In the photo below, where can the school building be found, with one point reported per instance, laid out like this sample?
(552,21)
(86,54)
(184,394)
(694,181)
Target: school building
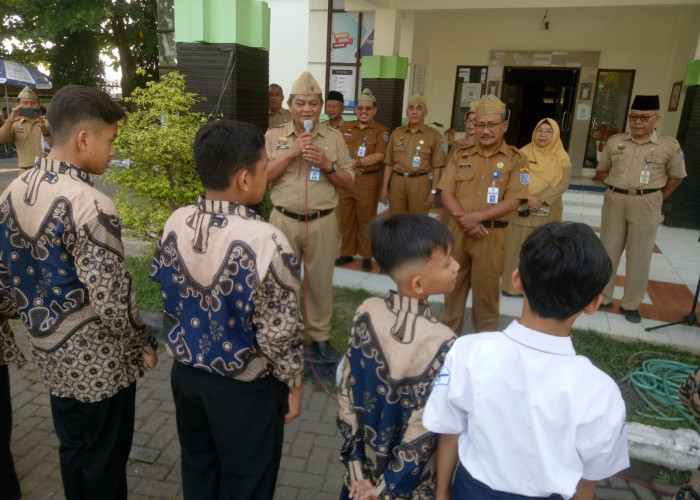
(578,61)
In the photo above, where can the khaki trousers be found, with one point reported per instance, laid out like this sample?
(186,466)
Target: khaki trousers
(408,194)
(630,223)
(481,265)
(357,207)
(323,235)
(514,240)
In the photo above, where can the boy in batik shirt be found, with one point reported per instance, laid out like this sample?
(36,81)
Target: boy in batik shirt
(395,352)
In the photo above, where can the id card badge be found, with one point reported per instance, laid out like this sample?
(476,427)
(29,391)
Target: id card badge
(361,151)
(416,161)
(314,173)
(492,195)
(644,177)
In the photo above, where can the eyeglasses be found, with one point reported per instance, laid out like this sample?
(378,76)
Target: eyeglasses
(482,126)
(641,118)
(544,131)
(361,108)
(469,122)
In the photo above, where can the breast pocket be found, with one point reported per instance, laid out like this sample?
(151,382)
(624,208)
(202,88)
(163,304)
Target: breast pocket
(617,158)
(464,182)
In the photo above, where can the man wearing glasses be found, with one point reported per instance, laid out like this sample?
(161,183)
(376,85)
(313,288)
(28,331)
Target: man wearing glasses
(415,150)
(641,168)
(482,185)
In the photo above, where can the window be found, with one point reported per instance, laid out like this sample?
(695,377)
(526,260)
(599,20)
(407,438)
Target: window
(350,36)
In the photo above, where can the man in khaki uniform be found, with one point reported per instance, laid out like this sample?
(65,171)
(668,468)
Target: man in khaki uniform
(304,170)
(25,131)
(414,151)
(335,105)
(641,168)
(366,141)
(481,186)
(278,115)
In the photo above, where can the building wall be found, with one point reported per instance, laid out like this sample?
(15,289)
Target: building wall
(657,42)
(289,41)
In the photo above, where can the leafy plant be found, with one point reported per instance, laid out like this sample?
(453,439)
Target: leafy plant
(158,175)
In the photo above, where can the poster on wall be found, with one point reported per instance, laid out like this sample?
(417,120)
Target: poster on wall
(343,40)
(470,92)
(343,80)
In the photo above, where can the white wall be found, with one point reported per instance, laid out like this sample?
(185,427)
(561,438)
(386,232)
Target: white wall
(657,42)
(289,41)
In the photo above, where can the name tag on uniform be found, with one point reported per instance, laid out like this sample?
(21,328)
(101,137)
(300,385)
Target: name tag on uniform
(314,173)
(465,165)
(644,177)
(492,195)
(416,162)
(361,151)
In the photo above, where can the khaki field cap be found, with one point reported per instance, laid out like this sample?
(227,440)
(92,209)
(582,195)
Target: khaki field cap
(489,105)
(366,95)
(305,85)
(27,93)
(417,99)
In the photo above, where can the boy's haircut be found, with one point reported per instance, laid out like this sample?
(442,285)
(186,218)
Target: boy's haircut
(75,104)
(563,267)
(222,148)
(406,238)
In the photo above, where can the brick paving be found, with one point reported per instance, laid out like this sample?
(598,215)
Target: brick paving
(309,469)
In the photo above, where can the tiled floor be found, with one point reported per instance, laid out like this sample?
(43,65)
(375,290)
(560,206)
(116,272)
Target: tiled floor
(674,274)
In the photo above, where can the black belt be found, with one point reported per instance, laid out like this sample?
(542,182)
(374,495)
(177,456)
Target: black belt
(494,224)
(633,192)
(303,217)
(408,176)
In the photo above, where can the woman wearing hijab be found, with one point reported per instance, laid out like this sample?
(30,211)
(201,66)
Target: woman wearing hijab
(550,173)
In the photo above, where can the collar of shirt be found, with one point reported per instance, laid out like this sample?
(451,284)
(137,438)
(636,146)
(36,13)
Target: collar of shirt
(290,128)
(477,149)
(653,138)
(397,302)
(356,124)
(539,341)
(422,129)
(61,167)
(226,208)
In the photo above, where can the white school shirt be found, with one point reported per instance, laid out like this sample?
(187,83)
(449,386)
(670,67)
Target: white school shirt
(533,417)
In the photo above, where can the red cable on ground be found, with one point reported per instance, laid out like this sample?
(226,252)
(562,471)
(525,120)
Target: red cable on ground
(648,486)
(306,284)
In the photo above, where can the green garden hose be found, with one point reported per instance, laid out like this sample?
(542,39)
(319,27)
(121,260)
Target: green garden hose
(657,382)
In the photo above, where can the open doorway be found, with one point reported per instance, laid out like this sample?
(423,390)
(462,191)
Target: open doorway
(535,93)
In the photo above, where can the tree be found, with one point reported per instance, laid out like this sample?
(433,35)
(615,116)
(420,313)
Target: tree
(157,140)
(42,27)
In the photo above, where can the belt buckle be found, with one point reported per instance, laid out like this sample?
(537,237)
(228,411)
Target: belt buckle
(632,191)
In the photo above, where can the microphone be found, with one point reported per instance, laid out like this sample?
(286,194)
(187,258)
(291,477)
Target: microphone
(308,125)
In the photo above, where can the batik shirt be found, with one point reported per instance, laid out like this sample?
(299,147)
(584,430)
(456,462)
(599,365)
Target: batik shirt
(62,267)
(229,282)
(395,352)
(9,352)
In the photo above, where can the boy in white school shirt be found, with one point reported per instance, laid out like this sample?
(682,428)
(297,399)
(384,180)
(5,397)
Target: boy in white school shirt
(527,417)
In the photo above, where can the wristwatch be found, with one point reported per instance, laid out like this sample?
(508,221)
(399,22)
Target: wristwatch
(334,169)
(433,192)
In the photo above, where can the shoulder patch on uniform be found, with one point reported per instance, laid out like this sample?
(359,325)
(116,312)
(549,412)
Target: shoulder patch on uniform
(443,147)
(680,153)
(386,137)
(443,377)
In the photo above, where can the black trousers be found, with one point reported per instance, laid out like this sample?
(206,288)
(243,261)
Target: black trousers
(95,441)
(465,487)
(9,485)
(230,434)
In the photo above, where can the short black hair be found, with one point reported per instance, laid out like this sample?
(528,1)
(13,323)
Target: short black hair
(404,238)
(276,86)
(222,148)
(563,267)
(75,104)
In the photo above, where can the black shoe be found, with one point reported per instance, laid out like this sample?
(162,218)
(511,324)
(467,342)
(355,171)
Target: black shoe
(606,306)
(325,351)
(343,259)
(631,315)
(367,265)
(506,294)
